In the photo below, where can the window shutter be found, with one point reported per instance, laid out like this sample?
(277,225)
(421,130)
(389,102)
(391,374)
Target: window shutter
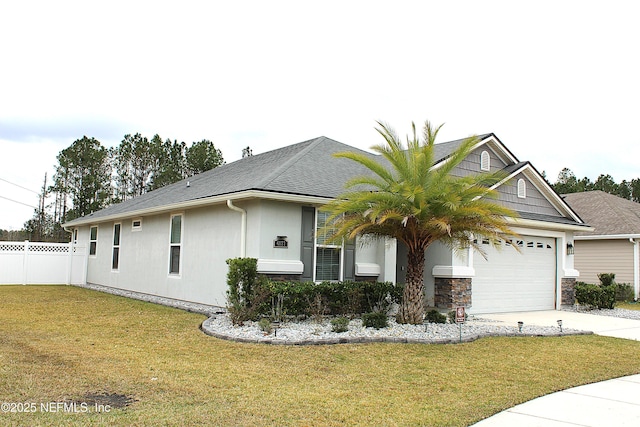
(307,242)
(349,260)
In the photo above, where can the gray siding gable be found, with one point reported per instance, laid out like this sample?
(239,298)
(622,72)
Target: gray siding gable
(535,202)
(471,165)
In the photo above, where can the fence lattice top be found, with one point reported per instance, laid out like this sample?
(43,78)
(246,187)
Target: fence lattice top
(34,247)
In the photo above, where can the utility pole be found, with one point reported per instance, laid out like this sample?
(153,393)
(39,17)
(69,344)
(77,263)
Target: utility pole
(41,208)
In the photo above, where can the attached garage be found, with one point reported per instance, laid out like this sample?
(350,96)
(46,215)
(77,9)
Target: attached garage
(511,280)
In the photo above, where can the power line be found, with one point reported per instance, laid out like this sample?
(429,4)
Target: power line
(19,186)
(15,201)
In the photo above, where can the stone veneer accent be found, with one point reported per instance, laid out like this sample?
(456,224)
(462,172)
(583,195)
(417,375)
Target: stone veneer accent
(452,292)
(567,285)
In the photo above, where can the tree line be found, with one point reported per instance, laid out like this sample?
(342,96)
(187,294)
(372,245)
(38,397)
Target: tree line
(89,177)
(568,183)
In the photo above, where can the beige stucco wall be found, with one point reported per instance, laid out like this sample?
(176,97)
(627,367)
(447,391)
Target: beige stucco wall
(604,256)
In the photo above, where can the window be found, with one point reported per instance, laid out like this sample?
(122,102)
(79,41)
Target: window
(175,245)
(136,224)
(522,188)
(115,258)
(93,240)
(328,256)
(485,161)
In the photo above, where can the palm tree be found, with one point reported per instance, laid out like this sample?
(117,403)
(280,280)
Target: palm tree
(411,199)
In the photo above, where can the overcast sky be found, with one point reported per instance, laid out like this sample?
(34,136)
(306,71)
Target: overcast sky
(557,81)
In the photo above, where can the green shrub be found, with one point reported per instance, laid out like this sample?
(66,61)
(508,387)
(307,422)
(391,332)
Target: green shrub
(265,325)
(347,298)
(247,293)
(379,296)
(595,296)
(340,324)
(624,292)
(606,279)
(376,320)
(434,316)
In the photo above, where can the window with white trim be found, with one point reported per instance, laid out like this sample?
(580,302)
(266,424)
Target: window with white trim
(522,188)
(93,240)
(175,245)
(485,161)
(136,224)
(328,256)
(115,254)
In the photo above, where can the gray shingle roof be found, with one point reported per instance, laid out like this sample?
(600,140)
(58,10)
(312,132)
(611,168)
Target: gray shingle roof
(443,150)
(307,168)
(606,213)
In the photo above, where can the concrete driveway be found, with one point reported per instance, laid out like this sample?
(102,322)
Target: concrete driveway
(608,403)
(600,325)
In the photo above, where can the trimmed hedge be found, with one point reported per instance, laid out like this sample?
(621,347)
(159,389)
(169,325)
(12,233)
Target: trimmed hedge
(604,295)
(250,296)
(346,298)
(595,296)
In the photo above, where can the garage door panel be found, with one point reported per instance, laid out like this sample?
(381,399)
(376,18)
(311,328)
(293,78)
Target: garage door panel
(511,280)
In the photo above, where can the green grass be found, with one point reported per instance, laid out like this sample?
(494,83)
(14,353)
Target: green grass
(628,305)
(68,344)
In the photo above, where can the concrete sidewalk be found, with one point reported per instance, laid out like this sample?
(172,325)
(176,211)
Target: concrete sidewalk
(609,403)
(600,325)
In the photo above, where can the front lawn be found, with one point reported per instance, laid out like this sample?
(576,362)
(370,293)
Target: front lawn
(67,344)
(628,305)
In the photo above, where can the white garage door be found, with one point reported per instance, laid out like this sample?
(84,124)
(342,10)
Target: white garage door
(509,280)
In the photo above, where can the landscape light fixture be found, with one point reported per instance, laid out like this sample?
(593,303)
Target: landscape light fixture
(520,325)
(560,325)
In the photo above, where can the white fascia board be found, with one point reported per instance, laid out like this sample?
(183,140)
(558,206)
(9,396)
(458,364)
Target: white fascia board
(498,149)
(609,237)
(544,225)
(189,204)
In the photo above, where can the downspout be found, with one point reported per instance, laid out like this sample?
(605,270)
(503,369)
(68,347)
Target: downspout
(243,227)
(636,268)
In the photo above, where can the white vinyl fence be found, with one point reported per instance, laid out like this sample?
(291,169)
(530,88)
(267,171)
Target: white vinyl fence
(34,263)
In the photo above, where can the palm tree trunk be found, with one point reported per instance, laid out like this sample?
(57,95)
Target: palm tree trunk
(412,305)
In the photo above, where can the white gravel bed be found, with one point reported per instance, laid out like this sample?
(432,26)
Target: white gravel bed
(311,332)
(616,312)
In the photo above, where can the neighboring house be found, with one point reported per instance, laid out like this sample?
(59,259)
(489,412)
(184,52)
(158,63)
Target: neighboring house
(613,244)
(174,241)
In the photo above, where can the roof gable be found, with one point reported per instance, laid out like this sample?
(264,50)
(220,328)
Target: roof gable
(541,198)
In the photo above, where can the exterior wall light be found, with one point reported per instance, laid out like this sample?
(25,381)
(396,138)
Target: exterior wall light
(570,249)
